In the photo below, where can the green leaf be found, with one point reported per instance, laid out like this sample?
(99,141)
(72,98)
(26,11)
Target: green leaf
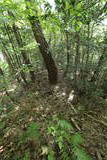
(2,125)
(51,156)
(77,139)
(26,156)
(33,131)
(80,154)
(65,125)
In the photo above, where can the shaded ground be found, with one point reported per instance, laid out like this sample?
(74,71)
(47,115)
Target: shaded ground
(39,103)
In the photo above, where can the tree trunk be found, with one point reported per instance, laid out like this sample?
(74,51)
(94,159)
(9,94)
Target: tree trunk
(96,72)
(23,52)
(99,65)
(68,53)
(16,61)
(77,57)
(44,47)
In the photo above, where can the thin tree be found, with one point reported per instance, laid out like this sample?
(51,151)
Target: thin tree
(15,58)
(20,43)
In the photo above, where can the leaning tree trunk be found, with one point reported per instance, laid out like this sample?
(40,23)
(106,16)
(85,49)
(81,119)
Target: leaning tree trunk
(43,46)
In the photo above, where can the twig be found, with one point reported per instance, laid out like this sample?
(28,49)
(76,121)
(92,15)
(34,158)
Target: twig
(75,124)
(98,155)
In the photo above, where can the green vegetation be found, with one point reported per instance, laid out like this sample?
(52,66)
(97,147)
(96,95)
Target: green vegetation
(53,80)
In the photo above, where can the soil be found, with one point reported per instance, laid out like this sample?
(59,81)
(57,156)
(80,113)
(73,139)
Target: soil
(39,103)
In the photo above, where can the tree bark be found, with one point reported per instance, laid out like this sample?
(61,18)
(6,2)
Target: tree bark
(16,61)
(77,57)
(68,53)
(23,52)
(101,62)
(43,46)
(99,65)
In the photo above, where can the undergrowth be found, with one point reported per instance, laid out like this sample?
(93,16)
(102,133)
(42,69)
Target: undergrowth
(61,142)
(67,140)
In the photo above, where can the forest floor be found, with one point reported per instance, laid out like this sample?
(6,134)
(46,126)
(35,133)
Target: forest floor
(40,104)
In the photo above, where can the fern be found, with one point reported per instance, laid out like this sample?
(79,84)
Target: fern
(26,156)
(63,124)
(61,132)
(77,139)
(33,131)
(2,125)
(51,155)
(80,154)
